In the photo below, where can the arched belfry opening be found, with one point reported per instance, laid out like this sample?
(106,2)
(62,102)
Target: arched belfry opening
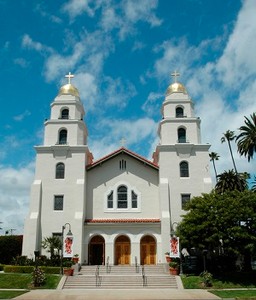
(147,250)
(97,250)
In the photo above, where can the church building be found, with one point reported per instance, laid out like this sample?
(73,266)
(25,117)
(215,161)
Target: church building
(121,207)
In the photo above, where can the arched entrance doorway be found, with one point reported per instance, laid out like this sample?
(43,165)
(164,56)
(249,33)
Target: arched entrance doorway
(97,250)
(122,250)
(147,250)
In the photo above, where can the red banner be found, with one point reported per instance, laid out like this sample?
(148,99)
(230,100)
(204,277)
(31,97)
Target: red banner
(68,246)
(174,247)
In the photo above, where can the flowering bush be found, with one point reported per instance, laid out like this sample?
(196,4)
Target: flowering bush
(207,278)
(38,277)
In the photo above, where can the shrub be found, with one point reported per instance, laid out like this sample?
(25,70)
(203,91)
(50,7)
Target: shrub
(38,277)
(18,269)
(29,269)
(207,278)
(1,267)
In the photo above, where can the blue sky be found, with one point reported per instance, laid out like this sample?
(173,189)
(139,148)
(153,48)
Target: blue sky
(122,54)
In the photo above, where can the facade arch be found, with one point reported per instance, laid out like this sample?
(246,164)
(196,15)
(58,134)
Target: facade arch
(148,250)
(122,250)
(96,250)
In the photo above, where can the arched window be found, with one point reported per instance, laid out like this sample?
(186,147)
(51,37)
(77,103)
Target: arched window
(60,171)
(122,197)
(63,136)
(184,171)
(134,200)
(179,112)
(110,200)
(65,114)
(182,135)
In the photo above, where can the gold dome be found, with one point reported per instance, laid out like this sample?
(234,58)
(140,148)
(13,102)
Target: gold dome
(176,87)
(68,89)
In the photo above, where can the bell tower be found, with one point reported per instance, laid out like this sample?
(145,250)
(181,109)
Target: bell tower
(58,193)
(182,158)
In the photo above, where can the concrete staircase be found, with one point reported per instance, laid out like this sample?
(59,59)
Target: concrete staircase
(121,277)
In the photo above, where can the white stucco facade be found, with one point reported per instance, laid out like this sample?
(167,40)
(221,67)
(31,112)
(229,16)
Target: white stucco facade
(120,207)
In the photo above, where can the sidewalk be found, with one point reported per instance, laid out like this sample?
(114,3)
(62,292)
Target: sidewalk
(122,294)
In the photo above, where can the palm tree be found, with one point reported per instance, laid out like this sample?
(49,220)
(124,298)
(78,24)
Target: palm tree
(51,243)
(247,138)
(230,181)
(254,185)
(213,157)
(229,136)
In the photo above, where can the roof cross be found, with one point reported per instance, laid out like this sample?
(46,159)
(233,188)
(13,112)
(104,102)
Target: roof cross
(175,74)
(123,142)
(69,76)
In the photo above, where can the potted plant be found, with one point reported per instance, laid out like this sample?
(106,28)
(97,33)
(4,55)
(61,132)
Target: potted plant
(75,259)
(174,268)
(167,257)
(67,270)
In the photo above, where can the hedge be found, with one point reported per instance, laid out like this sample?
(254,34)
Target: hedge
(29,269)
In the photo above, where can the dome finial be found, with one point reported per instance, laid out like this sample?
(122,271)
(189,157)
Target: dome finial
(69,76)
(69,89)
(175,87)
(175,74)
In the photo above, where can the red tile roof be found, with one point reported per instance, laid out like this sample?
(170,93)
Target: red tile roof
(118,151)
(122,221)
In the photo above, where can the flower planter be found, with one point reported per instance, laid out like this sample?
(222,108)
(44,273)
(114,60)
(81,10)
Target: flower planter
(68,272)
(75,260)
(174,271)
(168,259)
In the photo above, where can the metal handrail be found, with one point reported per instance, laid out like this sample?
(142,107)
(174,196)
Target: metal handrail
(144,277)
(136,265)
(108,266)
(97,275)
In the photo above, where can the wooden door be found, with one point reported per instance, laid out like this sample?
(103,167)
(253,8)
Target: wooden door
(122,251)
(148,251)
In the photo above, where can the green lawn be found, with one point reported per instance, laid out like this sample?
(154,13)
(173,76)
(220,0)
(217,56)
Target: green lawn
(236,281)
(10,294)
(241,295)
(23,281)
(228,281)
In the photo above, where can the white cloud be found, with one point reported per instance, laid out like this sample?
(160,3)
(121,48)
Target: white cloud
(21,62)
(27,42)
(77,7)
(133,131)
(139,11)
(212,85)
(238,61)
(14,195)
(153,103)
(21,117)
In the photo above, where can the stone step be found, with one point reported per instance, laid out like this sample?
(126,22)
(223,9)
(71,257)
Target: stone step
(121,277)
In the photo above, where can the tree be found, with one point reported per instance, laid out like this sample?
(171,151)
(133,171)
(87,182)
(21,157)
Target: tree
(51,243)
(213,157)
(247,138)
(226,221)
(230,136)
(253,188)
(230,181)
(10,247)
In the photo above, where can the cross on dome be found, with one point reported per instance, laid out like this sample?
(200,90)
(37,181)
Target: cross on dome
(69,76)
(123,142)
(175,74)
